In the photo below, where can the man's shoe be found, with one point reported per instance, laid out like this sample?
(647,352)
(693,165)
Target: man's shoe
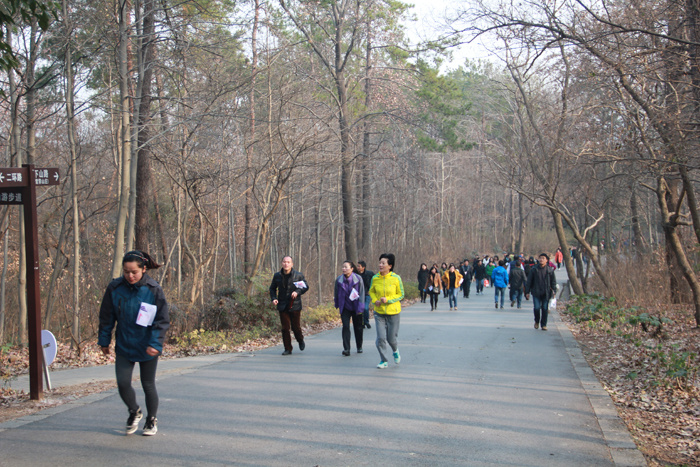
(151,427)
(496,304)
(537,325)
(132,423)
(383,365)
(359,350)
(302,345)
(287,352)
(369,326)
(455,308)
(346,353)
(544,328)
(397,357)
(512,303)
(501,307)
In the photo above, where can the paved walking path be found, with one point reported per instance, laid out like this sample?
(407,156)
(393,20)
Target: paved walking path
(475,387)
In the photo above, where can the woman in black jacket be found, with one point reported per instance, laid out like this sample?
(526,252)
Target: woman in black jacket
(422,279)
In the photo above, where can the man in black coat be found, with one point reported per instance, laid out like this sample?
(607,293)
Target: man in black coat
(542,284)
(467,273)
(366,276)
(479,275)
(285,292)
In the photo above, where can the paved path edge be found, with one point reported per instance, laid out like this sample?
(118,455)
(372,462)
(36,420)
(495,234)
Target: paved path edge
(622,448)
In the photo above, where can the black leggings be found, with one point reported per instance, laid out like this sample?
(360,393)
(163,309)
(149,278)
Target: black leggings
(423,295)
(434,299)
(124,369)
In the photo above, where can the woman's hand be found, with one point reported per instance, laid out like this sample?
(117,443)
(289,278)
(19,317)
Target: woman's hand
(152,352)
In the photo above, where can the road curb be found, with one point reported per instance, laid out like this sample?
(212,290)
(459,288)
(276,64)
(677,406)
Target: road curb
(623,450)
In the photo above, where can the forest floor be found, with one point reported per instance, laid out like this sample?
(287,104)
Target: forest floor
(662,414)
(653,381)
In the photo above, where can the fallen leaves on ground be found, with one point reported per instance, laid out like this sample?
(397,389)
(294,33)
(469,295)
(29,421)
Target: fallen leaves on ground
(661,413)
(14,404)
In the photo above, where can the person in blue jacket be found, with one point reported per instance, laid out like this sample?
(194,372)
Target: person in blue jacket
(499,277)
(135,302)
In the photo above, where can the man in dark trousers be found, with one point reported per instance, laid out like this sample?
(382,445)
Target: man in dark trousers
(467,273)
(285,292)
(367,280)
(542,284)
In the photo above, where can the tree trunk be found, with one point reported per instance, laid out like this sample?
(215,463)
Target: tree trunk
(70,120)
(676,246)
(366,232)
(144,179)
(125,131)
(248,210)
(568,263)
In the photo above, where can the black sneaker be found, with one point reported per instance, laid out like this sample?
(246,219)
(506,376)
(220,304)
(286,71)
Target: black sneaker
(287,352)
(302,345)
(151,427)
(346,353)
(132,423)
(369,326)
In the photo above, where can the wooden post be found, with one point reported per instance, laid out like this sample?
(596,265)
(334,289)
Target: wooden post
(36,388)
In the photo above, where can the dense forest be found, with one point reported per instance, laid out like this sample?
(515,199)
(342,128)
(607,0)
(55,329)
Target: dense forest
(221,135)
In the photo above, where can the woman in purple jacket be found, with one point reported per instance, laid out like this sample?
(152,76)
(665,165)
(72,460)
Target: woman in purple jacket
(349,298)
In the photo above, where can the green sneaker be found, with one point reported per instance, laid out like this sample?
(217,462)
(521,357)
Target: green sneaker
(383,365)
(397,357)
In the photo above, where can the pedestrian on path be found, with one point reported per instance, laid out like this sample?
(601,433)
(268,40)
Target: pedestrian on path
(433,286)
(479,275)
(443,269)
(499,277)
(422,279)
(286,289)
(349,297)
(387,292)
(468,274)
(517,279)
(135,302)
(366,276)
(452,280)
(542,284)
(558,257)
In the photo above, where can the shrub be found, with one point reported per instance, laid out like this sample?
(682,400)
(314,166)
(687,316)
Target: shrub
(410,291)
(319,315)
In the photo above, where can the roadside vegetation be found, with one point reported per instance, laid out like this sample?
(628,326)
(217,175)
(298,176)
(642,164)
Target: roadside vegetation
(645,352)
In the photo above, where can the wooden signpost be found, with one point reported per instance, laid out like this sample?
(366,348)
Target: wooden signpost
(18,186)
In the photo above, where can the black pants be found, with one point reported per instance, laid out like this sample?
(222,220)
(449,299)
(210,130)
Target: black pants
(434,299)
(466,287)
(124,370)
(357,325)
(291,320)
(423,295)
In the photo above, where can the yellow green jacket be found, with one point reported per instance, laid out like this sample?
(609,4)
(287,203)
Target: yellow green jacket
(389,286)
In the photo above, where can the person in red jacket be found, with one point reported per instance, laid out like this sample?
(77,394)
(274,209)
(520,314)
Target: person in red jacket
(558,257)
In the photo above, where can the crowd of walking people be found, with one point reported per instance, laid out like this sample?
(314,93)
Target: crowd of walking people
(522,277)
(136,305)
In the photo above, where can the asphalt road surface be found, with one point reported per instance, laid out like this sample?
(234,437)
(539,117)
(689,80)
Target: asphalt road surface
(475,387)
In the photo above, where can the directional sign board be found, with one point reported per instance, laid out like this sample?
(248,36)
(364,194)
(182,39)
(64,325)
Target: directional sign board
(11,196)
(18,186)
(46,177)
(15,177)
